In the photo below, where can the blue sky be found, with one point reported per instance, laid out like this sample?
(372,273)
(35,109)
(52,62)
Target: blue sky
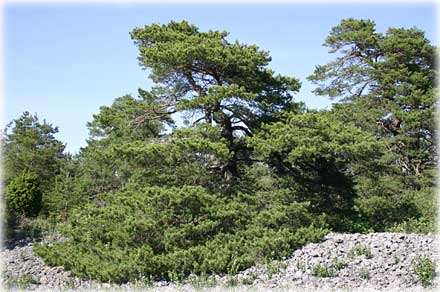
(65,61)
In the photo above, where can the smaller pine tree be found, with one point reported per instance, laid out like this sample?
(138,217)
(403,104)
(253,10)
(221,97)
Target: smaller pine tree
(23,194)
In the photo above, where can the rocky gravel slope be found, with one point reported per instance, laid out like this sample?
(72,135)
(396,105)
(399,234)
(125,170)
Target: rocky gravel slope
(377,261)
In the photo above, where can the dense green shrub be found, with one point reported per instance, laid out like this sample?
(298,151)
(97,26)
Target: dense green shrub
(406,211)
(172,232)
(23,194)
(69,189)
(413,225)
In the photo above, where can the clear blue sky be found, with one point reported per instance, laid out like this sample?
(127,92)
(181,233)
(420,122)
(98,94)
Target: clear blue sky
(64,62)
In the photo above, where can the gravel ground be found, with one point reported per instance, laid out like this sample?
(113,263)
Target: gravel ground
(341,262)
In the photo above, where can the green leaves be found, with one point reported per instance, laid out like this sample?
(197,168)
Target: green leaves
(353,31)
(128,119)
(179,48)
(391,78)
(23,194)
(30,145)
(318,157)
(216,81)
(168,232)
(315,135)
(386,84)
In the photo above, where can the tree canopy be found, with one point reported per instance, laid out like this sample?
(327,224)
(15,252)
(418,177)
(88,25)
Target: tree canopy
(391,76)
(214,80)
(30,145)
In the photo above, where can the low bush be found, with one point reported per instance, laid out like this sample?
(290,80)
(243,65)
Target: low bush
(413,225)
(23,194)
(169,233)
(411,211)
